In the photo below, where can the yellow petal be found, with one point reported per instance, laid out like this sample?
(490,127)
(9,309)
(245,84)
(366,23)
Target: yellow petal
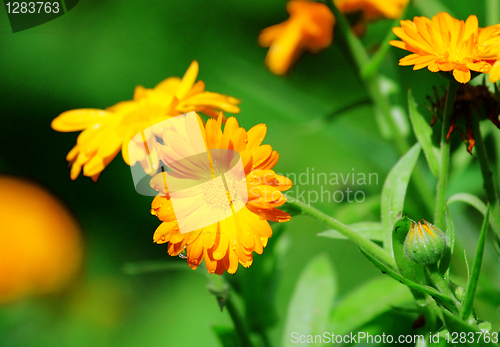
(188,80)
(75,120)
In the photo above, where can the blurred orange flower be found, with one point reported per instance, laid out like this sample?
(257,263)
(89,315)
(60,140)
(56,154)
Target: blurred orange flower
(361,12)
(41,246)
(448,44)
(309,28)
(231,241)
(106,132)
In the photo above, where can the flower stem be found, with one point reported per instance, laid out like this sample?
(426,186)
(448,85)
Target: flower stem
(220,289)
(476,268)
(239,325)
(489,185)
(442,285)
(440,211)
(369,246)
(366,68)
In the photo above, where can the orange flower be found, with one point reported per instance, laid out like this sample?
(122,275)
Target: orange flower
(361,12)
(232,240)
(373,9)
(41,247)
(107,131)
(309,28)
(447,44)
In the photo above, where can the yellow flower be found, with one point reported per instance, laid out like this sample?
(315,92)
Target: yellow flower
(447,44)
(309,28)
(361,12)
(41,248)
(232,240)
(107,131)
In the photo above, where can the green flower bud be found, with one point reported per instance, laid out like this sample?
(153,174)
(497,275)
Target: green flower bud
(425,244)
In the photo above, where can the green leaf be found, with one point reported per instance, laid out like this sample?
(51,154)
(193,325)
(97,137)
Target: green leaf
(227,336)
(470,199)
(450,235)
(459,326)
(406,266)
(311,301)
(394,191)
(423,133)
(370,230)
(366,303)
(470,291)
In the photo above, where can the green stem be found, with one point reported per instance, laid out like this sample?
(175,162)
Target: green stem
(239,325)
(492,12)
(382,106)
(440,211)
(489,185)
(369,70)
(361,241)
(476,268)
(218,287)
(442,285)
(356,49)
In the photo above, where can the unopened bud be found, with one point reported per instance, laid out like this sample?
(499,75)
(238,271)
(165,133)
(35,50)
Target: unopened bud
(425,244)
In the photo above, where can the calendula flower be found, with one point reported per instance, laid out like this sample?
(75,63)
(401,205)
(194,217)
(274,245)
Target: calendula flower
(309,28)
(361,12)
(467,100)
(41,246)
(106,132)
(241,226)
(447,44)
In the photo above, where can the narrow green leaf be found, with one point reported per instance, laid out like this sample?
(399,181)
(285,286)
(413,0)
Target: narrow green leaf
(423,133)
(470,199)
(370,230)
(470,291)
(366,303)
(311,300)
(450,235)
(227,336)
(409,283)
(406,267)
(394,191)
(459,326)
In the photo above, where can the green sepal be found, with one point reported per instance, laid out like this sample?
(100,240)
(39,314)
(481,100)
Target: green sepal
(406,267)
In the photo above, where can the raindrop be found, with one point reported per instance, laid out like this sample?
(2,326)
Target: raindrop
(183,253)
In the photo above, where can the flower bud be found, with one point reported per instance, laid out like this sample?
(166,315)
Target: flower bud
(425,244)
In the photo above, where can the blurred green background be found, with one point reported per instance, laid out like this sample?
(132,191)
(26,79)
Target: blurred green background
(95,55)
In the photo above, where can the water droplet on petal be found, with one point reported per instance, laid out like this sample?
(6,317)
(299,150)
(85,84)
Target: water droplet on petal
(183,253)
